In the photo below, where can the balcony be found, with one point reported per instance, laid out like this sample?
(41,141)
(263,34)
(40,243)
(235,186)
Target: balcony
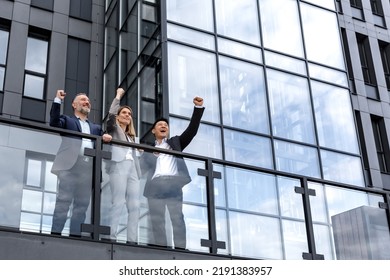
(231,211)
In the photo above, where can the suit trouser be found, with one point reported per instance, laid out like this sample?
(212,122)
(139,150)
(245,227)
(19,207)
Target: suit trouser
(125,191)
(174,204)
(75,186)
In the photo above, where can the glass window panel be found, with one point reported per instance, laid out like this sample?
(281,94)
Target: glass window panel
(243,95)
(297,159)
(360,231)
(246,28)
(207,141)
(3,46)
(50,178)
(34,171)
(47,221)
(192,73)
(30,222)
(190,36)
(290,103)
(334,117)
(318,204)
(323,240)
(295,240)
(342,168)
(222,230)
(340,200)
(34,86)
(322,36)
(196,226)
(36,56)
(219,186)
(285,62)
(2,72)
(49,201)
(110,38)
(290,202)
(196,13)
(196,190)
(248,149)
(255,236)
(328,75)
(32,201)
(329,4)
(239,50)
(251,191)
(281,26)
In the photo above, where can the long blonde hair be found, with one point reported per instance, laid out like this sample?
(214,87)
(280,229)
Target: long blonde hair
(130,131)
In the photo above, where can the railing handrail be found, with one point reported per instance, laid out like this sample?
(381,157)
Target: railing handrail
(149,148)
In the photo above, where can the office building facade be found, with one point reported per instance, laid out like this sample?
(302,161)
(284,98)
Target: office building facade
(290,159)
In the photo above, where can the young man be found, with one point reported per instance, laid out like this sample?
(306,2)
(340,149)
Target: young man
(167,176)
(73,169)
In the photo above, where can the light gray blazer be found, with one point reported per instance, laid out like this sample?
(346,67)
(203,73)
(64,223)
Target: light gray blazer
(117,133)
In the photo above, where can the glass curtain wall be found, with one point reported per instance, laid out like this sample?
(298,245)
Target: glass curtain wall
(276,96)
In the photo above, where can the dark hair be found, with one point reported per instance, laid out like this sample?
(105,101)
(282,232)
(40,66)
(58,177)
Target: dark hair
(160,120)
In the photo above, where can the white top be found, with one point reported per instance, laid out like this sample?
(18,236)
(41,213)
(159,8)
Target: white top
(166,164)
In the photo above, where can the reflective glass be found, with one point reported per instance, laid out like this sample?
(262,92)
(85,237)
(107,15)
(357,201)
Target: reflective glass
(295,239)
(329,4)
(290,202)
(360,229)
(281,26)
(32,201)
(328,75)
(34,169)
(197,227)
(297,159)
(36,56)
(246,28)
(291,110)
(239,50)
(342,168)
(34,86)
(247,149)
(191,73)
(49,202)
(2,73)
(251,191)
(207,141)
(110,37)
(50,178)
(196,13)
(318,203)
(243,95)
(334,117)
(26,151)
(3,46)
(190,36)
(284,62)
(222,230)
(30,222)
(322,36)
(255,236)
(128,45)
(324,241)
(131,206)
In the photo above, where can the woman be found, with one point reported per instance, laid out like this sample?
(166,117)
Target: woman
(124,170)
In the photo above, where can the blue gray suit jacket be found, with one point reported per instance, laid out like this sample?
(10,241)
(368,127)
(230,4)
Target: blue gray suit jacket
(70,146)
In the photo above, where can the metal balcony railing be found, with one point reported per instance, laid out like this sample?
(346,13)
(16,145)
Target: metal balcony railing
(228,208)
